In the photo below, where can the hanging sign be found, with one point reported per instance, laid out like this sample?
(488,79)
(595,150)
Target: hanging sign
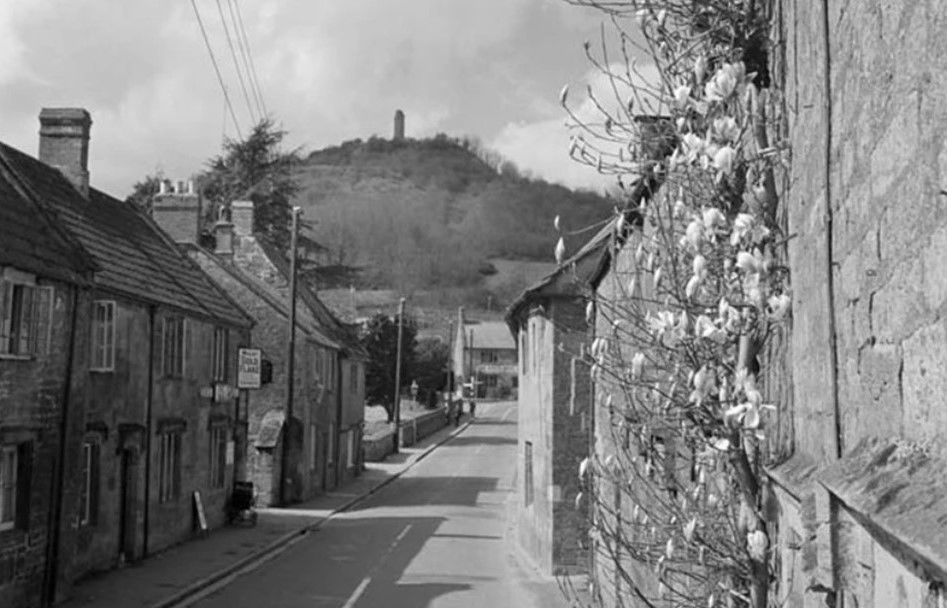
(249,367)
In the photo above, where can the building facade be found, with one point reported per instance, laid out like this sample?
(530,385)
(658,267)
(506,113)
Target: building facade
(152,422)
(328,386)
(555,417)
(483,355)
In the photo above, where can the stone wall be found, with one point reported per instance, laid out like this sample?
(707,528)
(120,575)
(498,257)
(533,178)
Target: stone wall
(31,406)
(868,267)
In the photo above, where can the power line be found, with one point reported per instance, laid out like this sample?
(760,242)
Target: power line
(254,89)
(213,60)
(236,63)
(246,42)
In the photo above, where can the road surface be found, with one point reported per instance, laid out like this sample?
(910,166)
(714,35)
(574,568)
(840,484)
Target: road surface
(436,537)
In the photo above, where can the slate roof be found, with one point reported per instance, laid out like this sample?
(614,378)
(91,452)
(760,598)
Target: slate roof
(132,256)
(336,329)
(489,334)
(269,294)
(30,239)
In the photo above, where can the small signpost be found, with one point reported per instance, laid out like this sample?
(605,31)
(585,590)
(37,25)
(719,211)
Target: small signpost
(199,507)
(249,367)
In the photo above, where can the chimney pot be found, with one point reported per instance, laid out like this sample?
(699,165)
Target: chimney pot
(241,214)
(223,238)
(64,143)
(162,187)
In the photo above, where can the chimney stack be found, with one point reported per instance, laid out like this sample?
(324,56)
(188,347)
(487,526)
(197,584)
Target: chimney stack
(64,143)
(223,237)
(178,211)
(241,214)
(399,125)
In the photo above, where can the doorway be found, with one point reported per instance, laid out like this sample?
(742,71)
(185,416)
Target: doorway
(128,507)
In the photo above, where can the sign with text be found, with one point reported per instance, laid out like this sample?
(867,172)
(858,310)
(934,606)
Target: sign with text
(249,365)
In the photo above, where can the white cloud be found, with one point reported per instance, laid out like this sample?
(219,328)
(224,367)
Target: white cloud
(330,70)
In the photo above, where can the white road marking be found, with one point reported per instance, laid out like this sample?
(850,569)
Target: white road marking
(358,592)
(368,579)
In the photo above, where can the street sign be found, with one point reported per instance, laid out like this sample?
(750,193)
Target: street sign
(249,364)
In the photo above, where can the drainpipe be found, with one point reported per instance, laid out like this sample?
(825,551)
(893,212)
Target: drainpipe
(829,264)
(52,570)
(149,401)
(338,420)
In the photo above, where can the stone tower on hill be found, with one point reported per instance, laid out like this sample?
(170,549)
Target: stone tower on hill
(399,125)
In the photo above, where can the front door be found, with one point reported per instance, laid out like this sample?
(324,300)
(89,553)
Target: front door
(128,508)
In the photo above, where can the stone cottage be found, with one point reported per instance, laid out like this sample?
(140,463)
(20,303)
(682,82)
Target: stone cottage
(329,377)
(153,422)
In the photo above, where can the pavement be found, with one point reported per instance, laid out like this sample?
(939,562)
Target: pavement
(179,575)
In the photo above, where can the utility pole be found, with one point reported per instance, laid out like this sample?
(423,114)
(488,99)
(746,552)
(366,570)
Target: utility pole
(398,375)
(290,359)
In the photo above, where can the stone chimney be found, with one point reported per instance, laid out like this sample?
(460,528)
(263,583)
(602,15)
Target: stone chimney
(399,125)
(177,209)
(64,143)
(241,214)
(223,236)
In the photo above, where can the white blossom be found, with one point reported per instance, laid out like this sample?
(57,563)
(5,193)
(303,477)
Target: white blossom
(756,543)
(560,250)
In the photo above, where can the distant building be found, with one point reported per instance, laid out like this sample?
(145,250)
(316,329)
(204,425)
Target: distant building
(484,359)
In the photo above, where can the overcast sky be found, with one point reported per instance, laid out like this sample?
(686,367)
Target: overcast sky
(329,70)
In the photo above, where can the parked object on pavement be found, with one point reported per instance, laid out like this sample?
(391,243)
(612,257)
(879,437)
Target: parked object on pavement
(241,509)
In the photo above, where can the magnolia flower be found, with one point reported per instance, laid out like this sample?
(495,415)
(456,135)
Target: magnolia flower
(637,365)
(590,311)
(689,529)
(725,81)
(578,500)
(657,277)
(700,69)
(704,327)
(681,95)
(679,208)
(756,543)
(778,306)
(669,549)
(632,284)
(662,16)
(564,94)
(692,146)
(726,129)
(694,234)
(723,159)
(692,285)
(583,468)
(620,223)
(700,266)
(662,323)
(741,227)
(747,262)
(555,223)
(560,250)
(713,217)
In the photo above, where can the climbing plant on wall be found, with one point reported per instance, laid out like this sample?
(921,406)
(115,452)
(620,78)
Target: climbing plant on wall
(678,491)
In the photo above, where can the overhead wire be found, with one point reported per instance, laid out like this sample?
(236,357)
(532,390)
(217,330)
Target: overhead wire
(254,89)
(220,79)
(236,62)
(246,42)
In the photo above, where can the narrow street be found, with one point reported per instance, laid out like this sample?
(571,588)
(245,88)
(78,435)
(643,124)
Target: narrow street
(436,537)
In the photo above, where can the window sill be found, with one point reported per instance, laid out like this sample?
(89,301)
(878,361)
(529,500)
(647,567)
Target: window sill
(12,357)
(102,370)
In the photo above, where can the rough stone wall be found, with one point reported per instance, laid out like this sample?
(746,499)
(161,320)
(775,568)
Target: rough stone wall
(883,261)
(31,400)
(570,433)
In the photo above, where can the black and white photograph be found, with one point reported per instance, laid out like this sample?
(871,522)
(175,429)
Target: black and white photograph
(446,304)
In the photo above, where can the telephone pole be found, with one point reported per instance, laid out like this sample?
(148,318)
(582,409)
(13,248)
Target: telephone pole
(398,375)
(290,360)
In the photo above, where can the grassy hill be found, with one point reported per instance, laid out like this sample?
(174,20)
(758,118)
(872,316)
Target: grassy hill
(422,215)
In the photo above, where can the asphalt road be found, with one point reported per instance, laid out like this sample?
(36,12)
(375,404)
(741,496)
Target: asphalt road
(436,537)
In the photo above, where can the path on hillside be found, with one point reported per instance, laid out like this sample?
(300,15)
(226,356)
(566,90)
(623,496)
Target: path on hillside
(436,537)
